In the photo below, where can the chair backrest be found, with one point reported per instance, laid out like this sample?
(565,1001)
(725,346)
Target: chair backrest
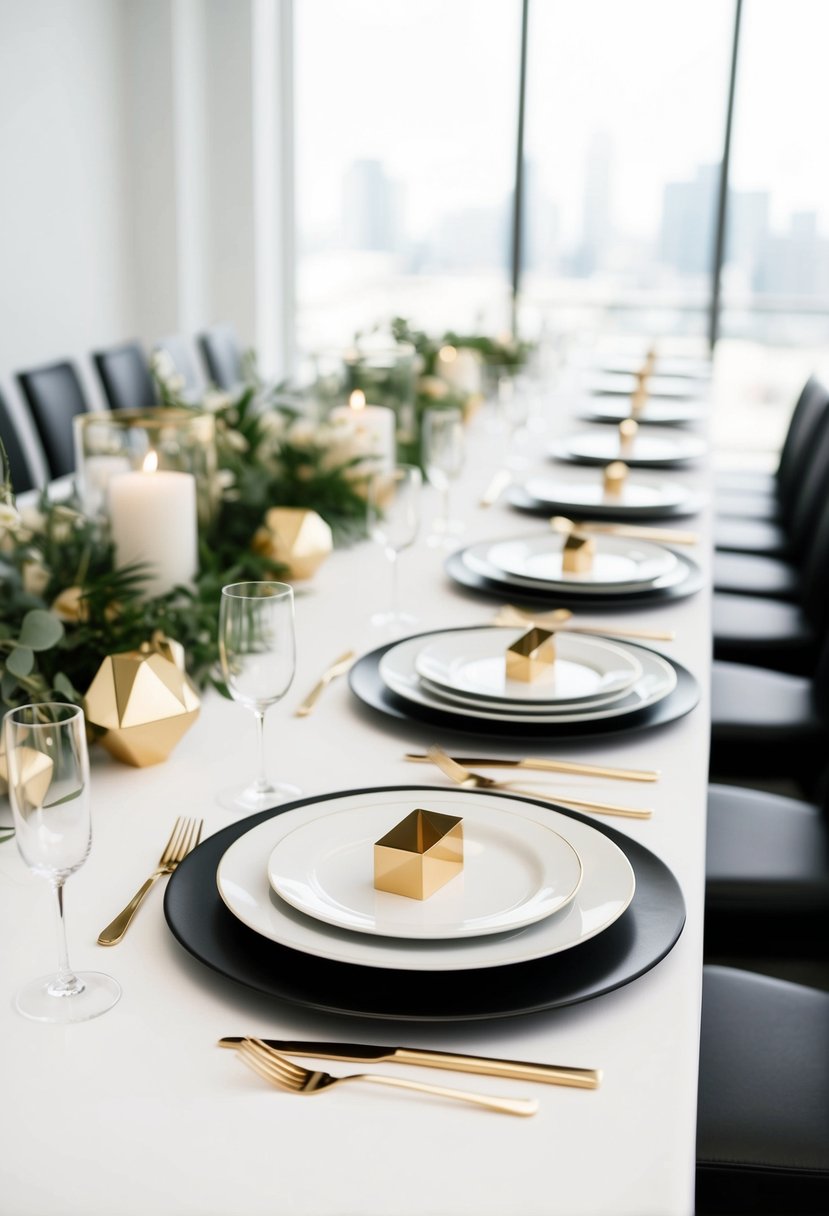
(813,484)
(807,416)
(54,396)
(126,378)
(178,348)
(222,356)
(19,470)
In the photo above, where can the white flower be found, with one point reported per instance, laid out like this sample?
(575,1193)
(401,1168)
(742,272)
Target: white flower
(236,441)
(302,433)
(273,423)
(9,517)
(32,519)
(35,577)
(214,399)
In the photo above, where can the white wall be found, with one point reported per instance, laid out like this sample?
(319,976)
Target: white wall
(65,279)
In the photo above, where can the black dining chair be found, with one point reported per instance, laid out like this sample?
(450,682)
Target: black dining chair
(766,874)
(763,1099)
(768,724)
(126,378)
(55,397)
(801,482)
(19,471)
(178,349)
(784,634)
(222,356)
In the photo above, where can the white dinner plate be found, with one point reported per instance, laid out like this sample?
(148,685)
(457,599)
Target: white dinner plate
(656,412)
(618,561)
(582,495)
(474,663)
(620,384)
(515,872)
(397,671)
(603,446)
(518,709)
(475,557)
(606,890)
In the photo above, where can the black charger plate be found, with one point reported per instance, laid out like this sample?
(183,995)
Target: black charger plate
(502,589)
(635,943)
(518,497)
(367,685)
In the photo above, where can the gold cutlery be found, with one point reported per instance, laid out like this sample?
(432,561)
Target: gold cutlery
(184,837)
(560,618)
(496,487)
(469,780)
(667,536)
(284,1074)
(356,1053)
(338,668)
(551,766)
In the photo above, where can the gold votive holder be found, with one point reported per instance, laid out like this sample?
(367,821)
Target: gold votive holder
(531,656)
(627,434)
(615,475)
(419,855)
(578,553)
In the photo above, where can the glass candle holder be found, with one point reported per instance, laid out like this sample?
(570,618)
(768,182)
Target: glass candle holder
(384,374)
(107,444)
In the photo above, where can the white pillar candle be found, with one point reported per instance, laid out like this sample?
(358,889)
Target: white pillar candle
(374,423)
(154,520)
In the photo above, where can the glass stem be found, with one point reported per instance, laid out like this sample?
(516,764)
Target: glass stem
(394,596)
(261,785)
(446,505)
(65,983)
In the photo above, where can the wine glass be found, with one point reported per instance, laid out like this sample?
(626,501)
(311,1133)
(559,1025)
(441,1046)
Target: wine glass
(48,778)
(257,650)
(393,521)
(443,453)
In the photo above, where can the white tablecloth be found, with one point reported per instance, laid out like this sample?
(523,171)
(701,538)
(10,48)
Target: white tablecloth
(138,1111)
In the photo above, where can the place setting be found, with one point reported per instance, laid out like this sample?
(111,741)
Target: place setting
(611,495)
(523,681)
(582,564)
(411,902)
(631,443)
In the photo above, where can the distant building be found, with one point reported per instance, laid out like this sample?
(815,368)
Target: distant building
(686,239)
(370,211)
(597,222)
(797,263)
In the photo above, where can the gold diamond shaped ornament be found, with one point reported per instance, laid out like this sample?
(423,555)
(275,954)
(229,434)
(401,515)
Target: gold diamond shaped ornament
(295,537)
(144,702)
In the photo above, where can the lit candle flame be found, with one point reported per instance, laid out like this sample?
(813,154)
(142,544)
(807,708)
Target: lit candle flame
(448,354)
(150,462)
(357,400)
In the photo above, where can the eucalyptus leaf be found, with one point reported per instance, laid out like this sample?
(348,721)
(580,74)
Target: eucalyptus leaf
(20,661)
(66,798)
(64,685)
(41,630)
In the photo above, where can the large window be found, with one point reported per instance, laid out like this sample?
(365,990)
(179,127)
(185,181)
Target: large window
(405,146)
(624,132)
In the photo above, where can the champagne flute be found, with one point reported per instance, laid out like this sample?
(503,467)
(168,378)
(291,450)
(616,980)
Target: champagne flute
(443,452)
(393,521)
(257,650)
(48,778)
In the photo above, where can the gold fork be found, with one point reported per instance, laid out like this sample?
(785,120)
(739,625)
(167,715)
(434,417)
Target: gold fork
(560,618)
(668,536)
(292,1077)
(469,780)
(184,837)
(338,668)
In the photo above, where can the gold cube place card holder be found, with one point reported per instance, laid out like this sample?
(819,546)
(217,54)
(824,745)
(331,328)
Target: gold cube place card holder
(615,475)
(627,434)
(639,398)
(532,655)
(419,855)
(577,553)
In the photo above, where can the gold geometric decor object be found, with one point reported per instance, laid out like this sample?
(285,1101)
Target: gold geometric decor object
(294,537)
(531,656)
(419,855)
(627,434)
(615,475)
(35,770)
(144,701)
(578,553)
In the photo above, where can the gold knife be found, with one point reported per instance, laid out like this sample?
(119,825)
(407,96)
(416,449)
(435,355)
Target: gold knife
(549,766)
(517,1070)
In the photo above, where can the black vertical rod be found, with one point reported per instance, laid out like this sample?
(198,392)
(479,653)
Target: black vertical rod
(518,193)
(722,201)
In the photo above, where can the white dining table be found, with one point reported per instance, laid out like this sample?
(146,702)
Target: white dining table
(139,1111)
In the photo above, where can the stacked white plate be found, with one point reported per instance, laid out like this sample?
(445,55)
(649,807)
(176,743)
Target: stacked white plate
(646,450)
(637,500)
(534,882)
(462,673)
